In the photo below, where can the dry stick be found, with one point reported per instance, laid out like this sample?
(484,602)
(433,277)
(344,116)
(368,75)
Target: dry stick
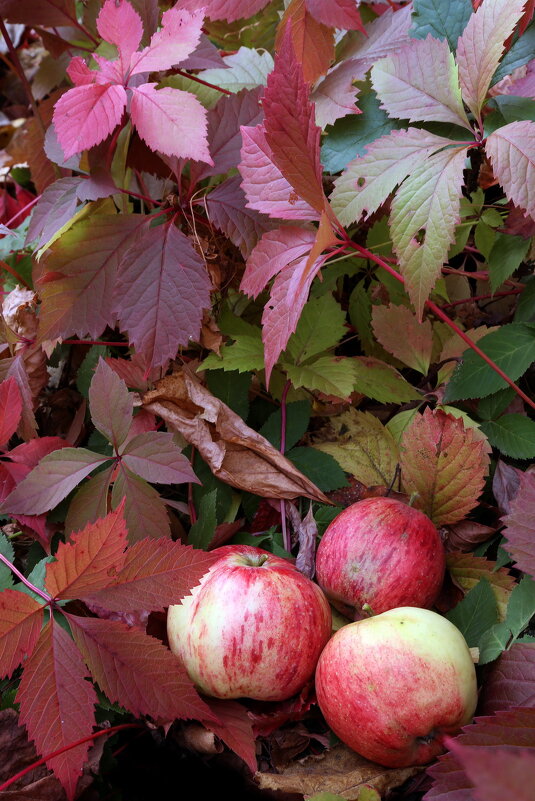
(449,322)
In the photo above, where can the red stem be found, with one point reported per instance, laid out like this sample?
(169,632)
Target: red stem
(5,266)
(200,80)
(21,211)
(44,759)
(481,297)
(285,533)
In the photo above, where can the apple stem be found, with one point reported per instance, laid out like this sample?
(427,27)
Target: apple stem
(413,497)
(369,611)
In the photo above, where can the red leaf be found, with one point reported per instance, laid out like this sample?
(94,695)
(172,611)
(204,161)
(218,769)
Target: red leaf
(10,409)
(338,14)
(135,372)
(498,773)
(27,427)
(520,526)
(155,457)
(156,574)
(275,251)
(505,484)
(177,38)
(137,671)
(313,42)
(111,404)
(511,681)
(235,729)
(56,703)
(91,560)
(227,210)
(20,623)
(30,453)
(119,24)
(291,132)
(229,10)
(145,511)
(159,268)
(48,13)
(90,501)
(86,115)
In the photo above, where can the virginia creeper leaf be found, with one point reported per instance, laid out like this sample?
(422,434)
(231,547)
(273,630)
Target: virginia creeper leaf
(497,773)
(520,526)
(385,34)
(445,463)
(10,409)
(86,115)
(90,501)
(313,42)
(144,511)
(235,729)
(56,206)
(511,150)
(512,680)
(155,457)
(229,211)
(443,19)
(276,250)
(321,326)
(21,618)
(119,24)
(177,38)
(245,69)
(475,614)
(512,434)
(57,703)
(339,14)
(400,333)
(334,95)
(49,13)
(381,381)
(467,571)
(326,374)
(519,54)
(111,404)
(223,9)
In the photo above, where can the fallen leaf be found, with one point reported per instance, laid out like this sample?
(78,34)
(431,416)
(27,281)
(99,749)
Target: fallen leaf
(466,534)
(467,570)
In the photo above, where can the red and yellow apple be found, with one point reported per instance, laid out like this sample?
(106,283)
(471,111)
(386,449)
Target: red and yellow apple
(391,686)
(380,553)
(254,627)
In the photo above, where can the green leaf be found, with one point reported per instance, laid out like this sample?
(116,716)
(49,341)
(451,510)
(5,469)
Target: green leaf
(6,575)
(512,347)
(505,256)
(402,420)
(331,273)
(493,642)
(521,606)
(321,468)
(85,372)
(380,381)
(320,327)
(508,108)
(484,237)
(232,388)
(325,515)
(324,374)
(244,355)
(443,19)
(209,483)
(297,420)
(512,434)
(519,54)
(37,578)
(525,310)
(360,314)
(476,613)
(349,136)
(202,531)
(494,405)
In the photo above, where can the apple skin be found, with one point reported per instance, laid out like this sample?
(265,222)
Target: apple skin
(254,627)
(383,553)
(392,685)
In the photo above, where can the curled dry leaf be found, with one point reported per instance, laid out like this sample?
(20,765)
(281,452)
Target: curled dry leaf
(19,310)
(340,771)
(465,535)
(234,452)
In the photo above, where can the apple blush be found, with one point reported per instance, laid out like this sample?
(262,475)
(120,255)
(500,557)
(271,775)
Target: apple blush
(379,554)
(254,627)
(391,686)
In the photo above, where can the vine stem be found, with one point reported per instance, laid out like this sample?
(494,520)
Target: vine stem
(45,759)
(17,66)
(11,270)
(200,80)
(482,297)
(285,533)
(32,587)
(449,322)
(21,211)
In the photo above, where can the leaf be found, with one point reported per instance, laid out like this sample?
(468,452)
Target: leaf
(144,511)
(381,381)
(228,211)
(505,484)
(312,41)
(245,69)
(424,214)
(161,266)
(111,404)
(328,374)
(119,24)
(511,151)
(511,347)
(56,207)
(90,501)
(177,38)
(369,179)
(57,703)
(276,250)
(291,132)
(521,607)
(296,423)
(202,531)
(400,333)
(443,19)
(222,9)
(519,54)
(334,96)
(497,773)
(86,115)
(362,446)
(340,14)
(235,453)
(319,467)
(512,434)
(232,388)
(476,613)
(78,274)
(6,574)
(481,46)
(520,526)
(234,727)
(468,571)
(10,409)
(506,255)
(420,82)
(21,618)
(156,458)
(156,574)
(445,463)
(91,560)
(512,680)
(385,34)
(265,187)
(321,326)
(136,671)
(171,121)
(49,13)
(54,477)
(247,353)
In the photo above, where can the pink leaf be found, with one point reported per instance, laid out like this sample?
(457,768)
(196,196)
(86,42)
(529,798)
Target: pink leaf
(497,773)
(178,37)
(10,409)
(520,526)
(86,115)
(334,96)
(171,121)
(511,151)
(155,457)
(291,132)
(145,512)
(228,211)
(525,87)
(159,268)
(337,14)
(119,24)
(111,404)
(21,618)
(511,681)
(56,206)
(30,453)
(385,35)
(276,250)
(229,10)
(57,703)
(265,187)
(79,72)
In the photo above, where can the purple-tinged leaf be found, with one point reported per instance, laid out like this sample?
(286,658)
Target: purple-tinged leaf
(223,9)
(161,267)
(145,512)
(505,484)
(511,150)
(481,45)
(235,728)
(27,427)
(497,773)
(336,14)
(21,618)
(334,95)
(384,35)
(265,187)
(57,703)
(98,185)
(90,501)
(110,404)
(10,409)
(520,526)
(171,121)
(205,56)
(155,457)
(49,13)
(511,681)
(119,24)
(56,206)
(86,115)
(525,87)
(276,250)
(51,481)
(178,37)
(228,211)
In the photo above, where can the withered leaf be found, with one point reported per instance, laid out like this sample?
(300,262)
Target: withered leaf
(234,452)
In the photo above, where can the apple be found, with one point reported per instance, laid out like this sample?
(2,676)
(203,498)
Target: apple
(378,554)
(391,686)
(254,627)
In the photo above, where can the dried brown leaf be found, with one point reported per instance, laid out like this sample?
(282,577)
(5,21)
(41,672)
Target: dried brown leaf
(234,452)
(466,534)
